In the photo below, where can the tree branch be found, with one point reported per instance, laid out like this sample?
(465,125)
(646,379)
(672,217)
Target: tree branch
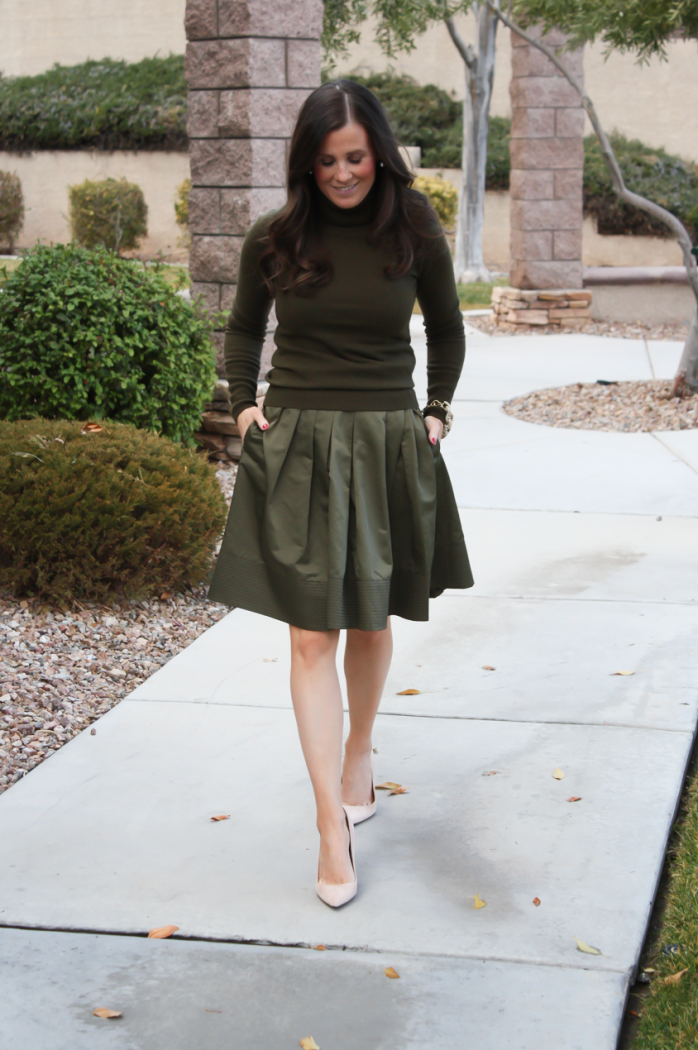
(466,52)
(674,224)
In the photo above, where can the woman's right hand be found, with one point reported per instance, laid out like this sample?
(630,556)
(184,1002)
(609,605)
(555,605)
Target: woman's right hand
(253,414)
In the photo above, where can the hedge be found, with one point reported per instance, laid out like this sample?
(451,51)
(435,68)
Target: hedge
(103,105)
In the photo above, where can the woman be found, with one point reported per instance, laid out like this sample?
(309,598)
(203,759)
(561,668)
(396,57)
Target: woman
(343,513)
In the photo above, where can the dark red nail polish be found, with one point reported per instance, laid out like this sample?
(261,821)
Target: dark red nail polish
(433,441)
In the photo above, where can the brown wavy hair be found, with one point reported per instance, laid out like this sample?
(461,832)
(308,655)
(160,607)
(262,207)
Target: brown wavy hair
(295,257)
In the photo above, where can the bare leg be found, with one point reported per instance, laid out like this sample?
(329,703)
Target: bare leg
(317,702)
(366,665)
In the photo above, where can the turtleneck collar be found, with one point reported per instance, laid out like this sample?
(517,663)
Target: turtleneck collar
(360,215)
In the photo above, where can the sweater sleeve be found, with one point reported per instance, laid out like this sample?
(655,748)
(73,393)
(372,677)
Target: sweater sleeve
(438,298)
(247,323)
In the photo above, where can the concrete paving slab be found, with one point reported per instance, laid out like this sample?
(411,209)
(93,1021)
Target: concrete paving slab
(178,995)
(683,444)
(113,833)
(665,356)
(497,461)
(554,660)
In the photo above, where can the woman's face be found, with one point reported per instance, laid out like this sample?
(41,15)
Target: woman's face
(345,167)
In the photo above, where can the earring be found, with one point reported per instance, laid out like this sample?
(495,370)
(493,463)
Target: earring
(380,163)
(310,173)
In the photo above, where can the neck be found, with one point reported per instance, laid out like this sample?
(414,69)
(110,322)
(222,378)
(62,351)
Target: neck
(360,215)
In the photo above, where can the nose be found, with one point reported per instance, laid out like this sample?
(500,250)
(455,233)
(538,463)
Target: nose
(343,173)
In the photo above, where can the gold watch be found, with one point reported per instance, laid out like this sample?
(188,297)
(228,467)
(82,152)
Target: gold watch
(446,408)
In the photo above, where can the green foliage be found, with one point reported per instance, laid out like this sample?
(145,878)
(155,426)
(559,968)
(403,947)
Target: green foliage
(396,22)
(111,213)
(653,173)
(182,204)
(11,209)
(442,195)
(86,334)
(119,512)
(642,26)
(104,105)
(498,158)
(423,116)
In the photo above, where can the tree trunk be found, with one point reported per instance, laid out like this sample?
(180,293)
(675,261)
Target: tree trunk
(686,378)
(469,263)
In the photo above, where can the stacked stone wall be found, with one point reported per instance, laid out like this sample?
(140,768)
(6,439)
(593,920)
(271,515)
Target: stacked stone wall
(249,66)
(547,162)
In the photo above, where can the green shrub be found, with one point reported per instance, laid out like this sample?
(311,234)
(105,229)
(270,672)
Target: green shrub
(442,196)
(423,116)
(114,511)
(11,209)
(111,212)
(182,203)
(103,105)
(654,173)
(85,334)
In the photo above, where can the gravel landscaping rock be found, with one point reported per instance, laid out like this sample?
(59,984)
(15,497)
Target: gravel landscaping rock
(643,405)
(63,667)
(618,329)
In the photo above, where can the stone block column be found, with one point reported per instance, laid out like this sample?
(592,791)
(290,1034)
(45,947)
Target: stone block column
(547,160)
(249,65)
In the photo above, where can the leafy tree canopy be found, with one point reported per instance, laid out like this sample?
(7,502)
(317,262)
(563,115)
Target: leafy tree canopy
(643,26)
(397,22)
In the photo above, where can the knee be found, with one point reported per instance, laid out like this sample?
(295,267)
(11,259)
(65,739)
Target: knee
(311,646)
(368,641)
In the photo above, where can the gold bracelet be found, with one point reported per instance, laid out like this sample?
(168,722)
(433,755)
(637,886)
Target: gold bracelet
(446,408)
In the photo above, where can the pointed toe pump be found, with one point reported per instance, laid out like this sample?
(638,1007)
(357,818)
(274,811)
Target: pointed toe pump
(358,813)
(337,894)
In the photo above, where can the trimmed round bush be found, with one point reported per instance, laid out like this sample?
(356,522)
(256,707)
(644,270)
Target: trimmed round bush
(92,511)
(87,335)
(442,196)
(111,213)
(11,209)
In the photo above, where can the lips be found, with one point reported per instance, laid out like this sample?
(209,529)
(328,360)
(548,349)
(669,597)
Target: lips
(345,189)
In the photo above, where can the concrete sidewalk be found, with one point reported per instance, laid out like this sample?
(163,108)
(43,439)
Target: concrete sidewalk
(583,547)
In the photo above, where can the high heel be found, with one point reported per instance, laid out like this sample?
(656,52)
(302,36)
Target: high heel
(338,893)
(358,813)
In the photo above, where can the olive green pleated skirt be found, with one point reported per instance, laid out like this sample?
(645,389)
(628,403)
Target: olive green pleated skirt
(339,520)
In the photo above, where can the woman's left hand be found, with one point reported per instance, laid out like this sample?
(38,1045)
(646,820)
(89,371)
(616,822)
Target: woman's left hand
(435,428)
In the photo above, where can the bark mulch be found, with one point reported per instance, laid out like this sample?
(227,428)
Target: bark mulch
(61,667)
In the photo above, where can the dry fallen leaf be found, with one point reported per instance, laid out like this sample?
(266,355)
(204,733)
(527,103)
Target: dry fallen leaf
(398,791)
(320,948)
(575,798)
(621,673)
(558,775)
(390,972)
(488,667)
(673,978)
(91,428)
(269,659)
(408,692)
(634,1013)
(165,596)
(582,947)
(104,1011)
(648,970)
(536,901)
(388,786)
(491,773)
(479,903)
(222,816)
(309,1043)
(162,932)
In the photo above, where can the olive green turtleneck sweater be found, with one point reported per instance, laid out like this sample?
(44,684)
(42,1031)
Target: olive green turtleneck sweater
(346,348)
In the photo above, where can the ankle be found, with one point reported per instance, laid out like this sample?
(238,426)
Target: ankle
(358,748)
(332,823)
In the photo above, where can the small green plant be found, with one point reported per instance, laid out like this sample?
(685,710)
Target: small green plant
(182,212)
(103,510)
(111,213)
(85,334)
(442,196)
(11,209)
